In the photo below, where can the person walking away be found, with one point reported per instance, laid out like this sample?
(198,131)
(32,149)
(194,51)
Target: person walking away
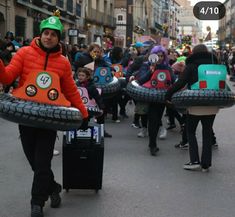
(205,114)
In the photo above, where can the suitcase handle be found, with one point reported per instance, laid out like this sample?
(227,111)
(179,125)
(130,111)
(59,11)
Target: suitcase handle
(83,140)
(91,130)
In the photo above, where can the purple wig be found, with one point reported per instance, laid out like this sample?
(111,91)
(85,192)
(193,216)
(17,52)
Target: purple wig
(158,48)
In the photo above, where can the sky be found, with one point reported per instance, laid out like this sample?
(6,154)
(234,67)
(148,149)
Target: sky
(213,24)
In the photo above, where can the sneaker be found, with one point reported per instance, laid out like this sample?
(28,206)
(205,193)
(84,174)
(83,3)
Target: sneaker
(215,146)
(56,152)
(154,150)
(205,170)
(182,146)
(55,197)
(162,133)
(137,126)
(192,166)
(116,121)
(172,126)
(142,133)
(107,135)
(36,211)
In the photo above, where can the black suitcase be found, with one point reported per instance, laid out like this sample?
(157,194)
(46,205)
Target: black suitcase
(83,157)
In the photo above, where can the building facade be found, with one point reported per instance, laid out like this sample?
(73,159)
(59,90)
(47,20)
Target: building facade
(190,28)
(226,31)
(84,21)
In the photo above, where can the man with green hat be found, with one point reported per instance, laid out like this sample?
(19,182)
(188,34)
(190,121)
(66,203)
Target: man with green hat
(43,55)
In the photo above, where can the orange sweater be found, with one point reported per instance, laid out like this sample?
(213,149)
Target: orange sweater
(33,58)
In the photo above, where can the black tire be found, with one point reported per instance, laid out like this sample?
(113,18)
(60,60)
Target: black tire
(39,115)
(109,89)
(140,93)
(122,82)
(93,111)
(186,98)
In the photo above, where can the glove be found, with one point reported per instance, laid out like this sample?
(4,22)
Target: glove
(169,104)
(84,125)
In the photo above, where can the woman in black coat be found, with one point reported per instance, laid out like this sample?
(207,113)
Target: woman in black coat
(205,114)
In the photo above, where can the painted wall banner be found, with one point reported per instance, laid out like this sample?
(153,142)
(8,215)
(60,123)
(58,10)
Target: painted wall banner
(165,42)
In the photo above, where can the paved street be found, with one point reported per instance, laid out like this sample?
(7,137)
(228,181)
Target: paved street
(135,184)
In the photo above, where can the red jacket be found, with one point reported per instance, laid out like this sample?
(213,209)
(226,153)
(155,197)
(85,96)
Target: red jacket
(33,58)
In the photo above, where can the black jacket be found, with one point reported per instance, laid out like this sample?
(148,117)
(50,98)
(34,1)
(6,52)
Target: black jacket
(190,74)
(86,58)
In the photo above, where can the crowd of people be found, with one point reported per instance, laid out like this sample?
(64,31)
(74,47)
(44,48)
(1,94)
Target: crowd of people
(79,64)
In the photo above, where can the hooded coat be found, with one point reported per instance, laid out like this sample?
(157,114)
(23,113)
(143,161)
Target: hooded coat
(190,76)
(190,73)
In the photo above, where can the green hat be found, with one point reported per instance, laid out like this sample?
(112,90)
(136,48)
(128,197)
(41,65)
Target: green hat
(52,22)
(181,59)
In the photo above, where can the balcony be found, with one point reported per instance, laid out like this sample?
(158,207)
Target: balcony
(109,21)
(94,16)
(39,3)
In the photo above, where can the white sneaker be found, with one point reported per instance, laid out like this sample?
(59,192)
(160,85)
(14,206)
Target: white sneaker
(56,152)
(142,133)
(162,133)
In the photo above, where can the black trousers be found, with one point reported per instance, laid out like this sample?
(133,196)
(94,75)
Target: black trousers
(207,137)
(173,113)
(154,121)
(38,145)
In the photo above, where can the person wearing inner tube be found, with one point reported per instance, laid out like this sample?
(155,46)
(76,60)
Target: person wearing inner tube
(85,80)
(205,114)
(43,54)
(93,59)
(132,70)
(94,54)
(115,56)
(155,109)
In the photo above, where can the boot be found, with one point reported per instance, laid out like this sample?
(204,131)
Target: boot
(36,211)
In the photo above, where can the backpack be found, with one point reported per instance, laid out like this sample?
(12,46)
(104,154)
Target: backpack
(211,77)
(161,79)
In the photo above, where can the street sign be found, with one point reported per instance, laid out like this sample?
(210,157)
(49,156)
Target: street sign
(73,32)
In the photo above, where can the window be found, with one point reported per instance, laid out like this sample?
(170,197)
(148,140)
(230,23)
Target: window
(60,3)
(20,26)
(120,18)
(70,6)
(78,10)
